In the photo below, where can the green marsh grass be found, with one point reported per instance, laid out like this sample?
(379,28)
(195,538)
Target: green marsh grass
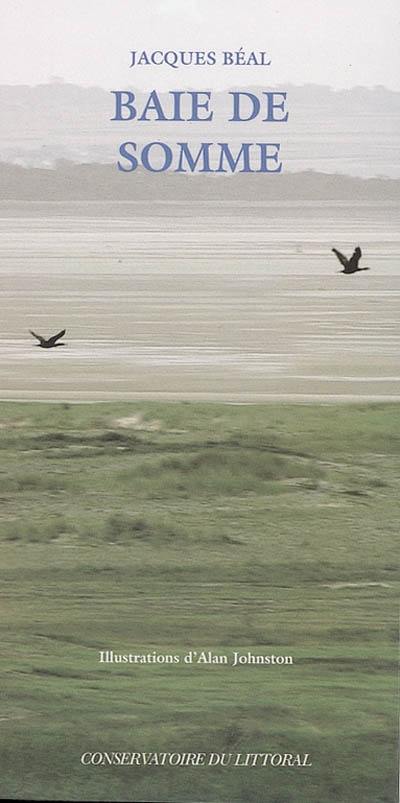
(206,527)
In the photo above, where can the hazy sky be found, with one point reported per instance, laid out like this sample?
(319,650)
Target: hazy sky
(342,43)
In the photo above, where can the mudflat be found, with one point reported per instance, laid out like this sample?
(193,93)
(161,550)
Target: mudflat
(225,302)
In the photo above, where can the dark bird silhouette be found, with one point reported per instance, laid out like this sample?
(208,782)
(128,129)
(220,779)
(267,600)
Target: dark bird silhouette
(350,265)
(51,342)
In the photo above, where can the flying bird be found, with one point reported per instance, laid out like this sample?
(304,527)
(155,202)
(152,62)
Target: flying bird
(51,342)
(350,265)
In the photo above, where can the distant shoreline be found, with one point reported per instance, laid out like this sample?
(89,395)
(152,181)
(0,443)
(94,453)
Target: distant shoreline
(70,181)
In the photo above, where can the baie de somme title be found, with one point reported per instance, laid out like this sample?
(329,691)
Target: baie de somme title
(197,107)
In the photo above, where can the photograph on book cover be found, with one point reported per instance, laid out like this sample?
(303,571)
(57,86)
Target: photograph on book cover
(199,400)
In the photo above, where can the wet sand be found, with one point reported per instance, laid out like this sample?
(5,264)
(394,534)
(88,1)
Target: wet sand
(231,303)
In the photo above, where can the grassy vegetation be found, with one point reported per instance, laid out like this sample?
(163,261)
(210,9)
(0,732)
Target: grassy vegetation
(168,527)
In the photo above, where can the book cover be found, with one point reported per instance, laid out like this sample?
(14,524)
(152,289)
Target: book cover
(199,400)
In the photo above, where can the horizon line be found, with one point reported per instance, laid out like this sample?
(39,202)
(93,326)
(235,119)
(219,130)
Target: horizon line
(61,82)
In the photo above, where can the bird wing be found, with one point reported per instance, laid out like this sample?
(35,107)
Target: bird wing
(38,337)
(355,258)
(341,257)
(53,339)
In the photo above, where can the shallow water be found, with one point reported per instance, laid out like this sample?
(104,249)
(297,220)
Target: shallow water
(238,303)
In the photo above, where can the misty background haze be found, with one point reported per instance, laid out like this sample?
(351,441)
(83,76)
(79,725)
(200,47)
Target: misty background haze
(59,62)
(342,44)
